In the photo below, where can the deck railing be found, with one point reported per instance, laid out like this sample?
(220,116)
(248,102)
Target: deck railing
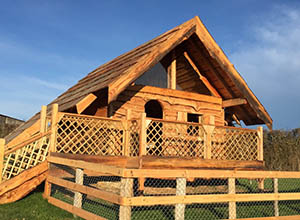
(81,134)
(111,192)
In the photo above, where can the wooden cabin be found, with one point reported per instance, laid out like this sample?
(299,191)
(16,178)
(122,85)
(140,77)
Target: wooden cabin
(175,97)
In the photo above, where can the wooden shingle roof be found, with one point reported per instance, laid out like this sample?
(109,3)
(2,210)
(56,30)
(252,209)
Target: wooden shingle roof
(117,74)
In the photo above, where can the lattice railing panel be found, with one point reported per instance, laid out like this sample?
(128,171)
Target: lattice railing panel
(79,134)
(234,144)
(26,157)
(175,139)
(134,130)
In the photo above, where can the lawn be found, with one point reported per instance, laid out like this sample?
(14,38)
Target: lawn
(32,207)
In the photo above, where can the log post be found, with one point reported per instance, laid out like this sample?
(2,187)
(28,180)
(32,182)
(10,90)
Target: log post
(180,191)
(276,207)
(78,180)
(43,116)
(52,147)
(260,153)
(53,127)
(232,205)
(172,73)
(126,143)
(2,144)
(143,143)
(209,126)
(126,191)
(143,136)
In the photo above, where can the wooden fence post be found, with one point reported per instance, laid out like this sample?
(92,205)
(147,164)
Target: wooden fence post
(209,126)
(276,207)
(126,191)
(78,180)
(232,205)
(2,144)
(52,147)
(180,191)
(260,153)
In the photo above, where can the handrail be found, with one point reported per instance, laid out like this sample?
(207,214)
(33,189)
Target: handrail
(89,116)
(24,143)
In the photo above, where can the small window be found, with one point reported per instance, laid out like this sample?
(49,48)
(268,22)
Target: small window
(195,118)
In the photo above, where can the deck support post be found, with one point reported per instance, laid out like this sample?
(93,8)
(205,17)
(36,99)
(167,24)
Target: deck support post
(2,144)
(52,147)
(77,195)
(180,191)
(260,153)
(276,207)
(43,119)
(126,191)
(126,142)
(232,205)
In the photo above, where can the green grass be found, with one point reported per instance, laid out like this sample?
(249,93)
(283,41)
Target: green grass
(32,207)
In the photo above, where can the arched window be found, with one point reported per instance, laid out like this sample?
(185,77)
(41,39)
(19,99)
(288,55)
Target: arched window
(153,109)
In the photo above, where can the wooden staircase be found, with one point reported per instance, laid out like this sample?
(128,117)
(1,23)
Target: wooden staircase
(23,164)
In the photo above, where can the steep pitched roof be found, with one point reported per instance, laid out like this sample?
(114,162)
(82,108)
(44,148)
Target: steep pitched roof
(117,74)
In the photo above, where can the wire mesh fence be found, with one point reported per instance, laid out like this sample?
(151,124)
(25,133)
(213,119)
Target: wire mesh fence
(130,194)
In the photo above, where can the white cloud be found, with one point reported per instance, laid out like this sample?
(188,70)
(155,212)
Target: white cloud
(270,64)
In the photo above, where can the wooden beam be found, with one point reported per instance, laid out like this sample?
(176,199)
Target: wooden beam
(233,102)
(216,198)
(202,78)
(77,211)
(2,144)
(290,217)
(85,102)
(172,72)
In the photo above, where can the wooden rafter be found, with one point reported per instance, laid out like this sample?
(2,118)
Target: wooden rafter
(85,102)
(202,78)
(233,102)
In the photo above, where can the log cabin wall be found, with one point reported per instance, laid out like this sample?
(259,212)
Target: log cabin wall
(172,101)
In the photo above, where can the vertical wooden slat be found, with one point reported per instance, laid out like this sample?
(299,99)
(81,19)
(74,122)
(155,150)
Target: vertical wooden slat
(172,73)
(78,195)
(180,191)
(2,144)
(232,205)
(126,191)
(276,207)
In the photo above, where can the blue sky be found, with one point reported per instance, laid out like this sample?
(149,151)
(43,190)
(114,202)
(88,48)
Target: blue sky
(47,46)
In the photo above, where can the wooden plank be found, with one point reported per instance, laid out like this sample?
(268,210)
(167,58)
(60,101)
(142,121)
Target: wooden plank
(213,173)
(11,149)
(143,135)
(213,91)
(85,102)
(23,177)
(126,191)
(97,193)
(216,198)
(52,147)
(233,102)
(78,181)
(276,205)
(115,171)
(77,211)
(22,189)
(2,144)
(175,93)
(180,191)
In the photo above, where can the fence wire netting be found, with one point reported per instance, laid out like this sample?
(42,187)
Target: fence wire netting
(155,198)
